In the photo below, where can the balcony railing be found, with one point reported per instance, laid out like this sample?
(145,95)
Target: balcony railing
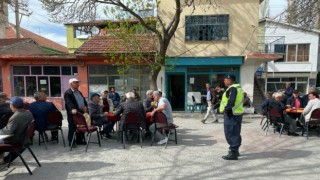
(271,44)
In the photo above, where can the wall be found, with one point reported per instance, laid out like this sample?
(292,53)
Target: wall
(294,36)
(243,22)
(73,43)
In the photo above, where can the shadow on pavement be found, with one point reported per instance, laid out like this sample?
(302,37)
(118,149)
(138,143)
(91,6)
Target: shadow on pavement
(58,170)
(281,153)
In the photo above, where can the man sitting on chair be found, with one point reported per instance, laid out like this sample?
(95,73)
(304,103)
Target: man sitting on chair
(164,106)
(98,117)
(40,109)
(131,105)
(17,127)
(313,103)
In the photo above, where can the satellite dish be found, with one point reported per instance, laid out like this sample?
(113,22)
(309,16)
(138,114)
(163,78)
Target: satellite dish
(95,30)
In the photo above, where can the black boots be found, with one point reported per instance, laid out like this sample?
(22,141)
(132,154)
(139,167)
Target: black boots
(233,155)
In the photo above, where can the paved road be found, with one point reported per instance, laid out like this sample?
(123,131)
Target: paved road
(197,156)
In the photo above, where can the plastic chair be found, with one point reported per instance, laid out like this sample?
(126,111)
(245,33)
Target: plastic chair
(20,148)
(314,120)
(132,122)
(55,119)
(82,127)
(276,119)
(160,118)
(195,105)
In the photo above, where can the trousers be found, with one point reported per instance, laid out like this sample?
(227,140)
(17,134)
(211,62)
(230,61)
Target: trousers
(232,130)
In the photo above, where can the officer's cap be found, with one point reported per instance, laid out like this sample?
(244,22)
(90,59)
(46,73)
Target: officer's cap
(230,76)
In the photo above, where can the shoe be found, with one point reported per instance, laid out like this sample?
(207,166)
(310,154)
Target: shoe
(216,121)
(236,152)
(165,140)
(107,135)
(81,143)
(231,156)
(203,121)
(293,134)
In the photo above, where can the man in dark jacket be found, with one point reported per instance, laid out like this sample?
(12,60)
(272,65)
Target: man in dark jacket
(98,117)
(75,103)
(147,103)
(4,107)
(17,126)
(115,97)
(131,105)
(40,109)
(287,92)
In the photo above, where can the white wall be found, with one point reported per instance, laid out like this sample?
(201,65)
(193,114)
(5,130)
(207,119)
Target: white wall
(247,71)
(161,83)
(294,36)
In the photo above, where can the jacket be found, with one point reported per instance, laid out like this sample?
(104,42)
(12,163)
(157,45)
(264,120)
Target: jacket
(131,105)
(40,110)
(17,126)
(71,102)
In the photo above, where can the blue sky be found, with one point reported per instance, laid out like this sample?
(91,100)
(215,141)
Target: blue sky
(39,22)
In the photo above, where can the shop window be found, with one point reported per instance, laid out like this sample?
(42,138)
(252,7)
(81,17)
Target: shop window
(55,87)
(18,86)
(51,70)
(66,70)
(31,85)
(43,84)
(197,83)
(36,70)
(74,70)
(21,70)
(206,28)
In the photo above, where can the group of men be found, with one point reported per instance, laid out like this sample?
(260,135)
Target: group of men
(290,98)
(75,102)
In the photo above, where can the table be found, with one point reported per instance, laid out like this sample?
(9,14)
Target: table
(294,110)
(5,136)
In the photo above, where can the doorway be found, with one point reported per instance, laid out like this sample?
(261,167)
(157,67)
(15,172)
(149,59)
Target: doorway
(176,92)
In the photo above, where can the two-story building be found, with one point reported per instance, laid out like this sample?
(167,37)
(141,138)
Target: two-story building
(300,50)
(210,43)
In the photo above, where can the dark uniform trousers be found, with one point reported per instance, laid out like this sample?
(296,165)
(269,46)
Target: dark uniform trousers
(232,130)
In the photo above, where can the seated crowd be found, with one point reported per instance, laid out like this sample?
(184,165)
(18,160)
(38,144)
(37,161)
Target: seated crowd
(294,102)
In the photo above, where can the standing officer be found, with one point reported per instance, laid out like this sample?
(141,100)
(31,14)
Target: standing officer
(232,107)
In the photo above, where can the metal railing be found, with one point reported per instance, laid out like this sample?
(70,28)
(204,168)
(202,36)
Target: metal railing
(271,44)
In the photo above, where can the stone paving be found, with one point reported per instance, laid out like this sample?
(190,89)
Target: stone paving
(197,156)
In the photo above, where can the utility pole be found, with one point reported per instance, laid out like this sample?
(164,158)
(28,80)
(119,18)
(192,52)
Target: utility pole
(16,11)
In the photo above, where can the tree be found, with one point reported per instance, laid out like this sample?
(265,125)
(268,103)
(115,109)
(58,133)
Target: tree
(86,10)
(304,13)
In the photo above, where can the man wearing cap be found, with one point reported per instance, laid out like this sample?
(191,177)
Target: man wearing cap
(98,117)
(75,103)
(4,107)
(232,107)
(17,125)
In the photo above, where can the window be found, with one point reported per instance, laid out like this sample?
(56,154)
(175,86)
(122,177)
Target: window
(299,83)
(29,79)
(293,52)
(206,28)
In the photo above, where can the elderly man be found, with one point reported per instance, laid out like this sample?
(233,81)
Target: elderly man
(314,103)
(164,106)
(287,92)
(75,102)
(4,107)
(147,103)
(131,105)
(40,109)
(278,106)
(305,98)
(17,126)
(98,117)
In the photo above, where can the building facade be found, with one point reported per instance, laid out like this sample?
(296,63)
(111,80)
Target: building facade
(208,44)
(300,50)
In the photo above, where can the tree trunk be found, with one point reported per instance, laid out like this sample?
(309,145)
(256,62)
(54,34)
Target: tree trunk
(153,78)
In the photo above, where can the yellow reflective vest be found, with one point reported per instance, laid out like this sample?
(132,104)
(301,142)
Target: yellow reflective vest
(238,105)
